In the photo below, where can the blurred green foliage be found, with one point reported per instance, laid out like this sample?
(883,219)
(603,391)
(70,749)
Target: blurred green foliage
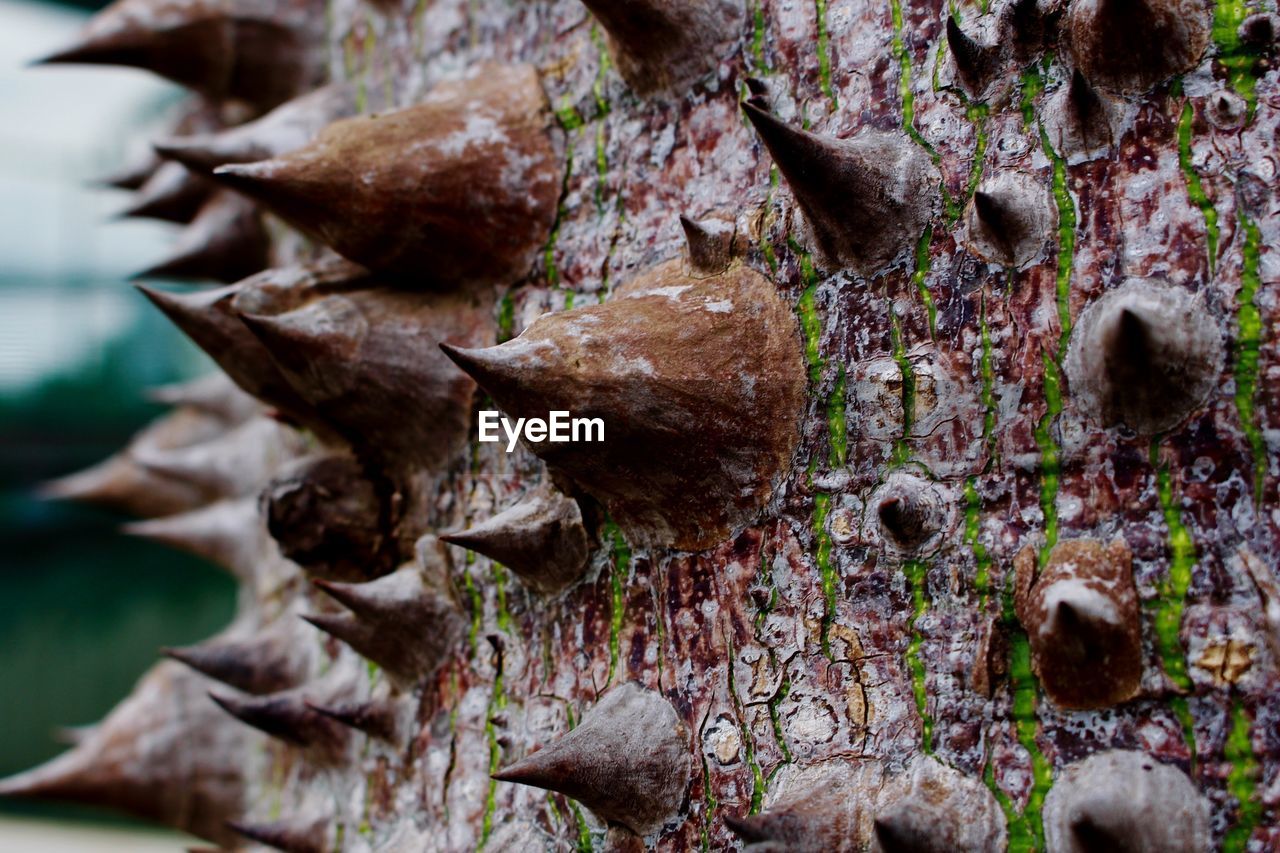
(84,609)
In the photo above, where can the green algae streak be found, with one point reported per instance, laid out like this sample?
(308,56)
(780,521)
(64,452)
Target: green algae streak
(1195,188)
(1247,351)
(824,54)
(1242,780)
(920,274)
(621,553)
(1173,588)
(916,572)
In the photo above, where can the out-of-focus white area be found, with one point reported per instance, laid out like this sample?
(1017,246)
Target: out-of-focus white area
(28,836)
(62,127)
(43,333)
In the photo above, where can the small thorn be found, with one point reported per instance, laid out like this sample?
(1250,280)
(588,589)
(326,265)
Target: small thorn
(404,622)
(228,533)
(284,716)
(1145,356)
(1119,800)
(1259,29)
(710,244)
(213,394)
(375,718)
(751,828)
(73,735)
(941,810)
(290,836)
(251,179)
(172,194)
(208,319)
(1011,219)
(225,243)
(258,665)
(910,511)
(541,538)
(132,176)
(88,53)
(287,128)
(161,755)
(665,48)
(1086,103)
(909,827)
(976,64)
(627,760)
(992,215)
(1025,26)
(243,51)
(400,402)
(1083,620)
(1089,835)
(866,199)
(486,365)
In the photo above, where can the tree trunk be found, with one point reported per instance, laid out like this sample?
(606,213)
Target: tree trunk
(939,471)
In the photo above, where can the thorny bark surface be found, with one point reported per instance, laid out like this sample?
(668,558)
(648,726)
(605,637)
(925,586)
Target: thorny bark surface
(947,366)
(805,637)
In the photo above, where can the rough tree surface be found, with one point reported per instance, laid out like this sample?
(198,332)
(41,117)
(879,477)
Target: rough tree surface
(810,636)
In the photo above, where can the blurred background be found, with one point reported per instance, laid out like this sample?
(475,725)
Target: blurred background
(84,609)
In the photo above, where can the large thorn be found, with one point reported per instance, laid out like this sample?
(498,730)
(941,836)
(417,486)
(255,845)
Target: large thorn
(1130,46)
(162,755)
(1081,123)
(627,761)
(696,385)
(1144,356)
(667,46)
(253,51)
(417,194)
(866,199)
(288,127)
(229,533)
(367,360)
(541,539)
(208,319)
(1129,797)
(1082,616)
(225,242)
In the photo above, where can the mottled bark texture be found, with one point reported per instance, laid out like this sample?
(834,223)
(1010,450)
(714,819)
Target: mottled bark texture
(971,288)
